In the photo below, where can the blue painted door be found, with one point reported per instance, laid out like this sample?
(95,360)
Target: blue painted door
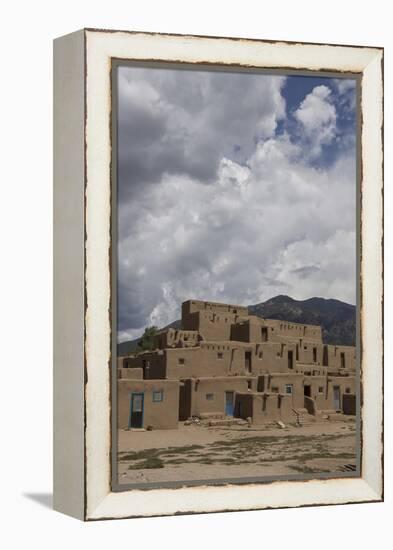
(337,397)
(229,403)
(136,410)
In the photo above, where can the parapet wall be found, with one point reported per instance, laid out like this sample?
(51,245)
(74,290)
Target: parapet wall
(191,306)
(295,330)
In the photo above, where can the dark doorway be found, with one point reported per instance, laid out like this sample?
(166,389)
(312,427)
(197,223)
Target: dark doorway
(264,334)
(307,391)
(248,361)
(325,361)
(185,400)
(261,383)
(290,359)
(136,410)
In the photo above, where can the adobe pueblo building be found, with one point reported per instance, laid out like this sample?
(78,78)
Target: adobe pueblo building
(224,363)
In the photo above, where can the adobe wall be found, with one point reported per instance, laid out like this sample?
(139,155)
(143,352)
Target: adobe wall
(322,389)
(295,330)
(306,351)
(176,338)
(257,330)
(130,374)
(212,327)
(264,408)
(277,383)
(152,363)
(312,370)
(346,384)
(159,415)
(254,329)
(334,357)
(191,306)
(229,358)
(209,359)
(274,357)
(208,394)
(310,352)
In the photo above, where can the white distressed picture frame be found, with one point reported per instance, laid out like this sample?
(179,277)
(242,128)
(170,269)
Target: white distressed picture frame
(82,241)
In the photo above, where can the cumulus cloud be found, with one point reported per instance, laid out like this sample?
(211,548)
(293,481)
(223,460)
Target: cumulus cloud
(317,115)
(346,90)
(184,122)
(217,204)
(345,85)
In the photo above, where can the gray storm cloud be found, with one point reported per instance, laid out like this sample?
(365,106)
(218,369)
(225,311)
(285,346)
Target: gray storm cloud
(216,203)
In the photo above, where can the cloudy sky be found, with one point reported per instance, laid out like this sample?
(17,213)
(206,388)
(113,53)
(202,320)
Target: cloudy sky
(232,187)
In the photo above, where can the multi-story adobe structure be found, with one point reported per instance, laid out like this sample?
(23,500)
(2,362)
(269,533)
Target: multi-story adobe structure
(224,362)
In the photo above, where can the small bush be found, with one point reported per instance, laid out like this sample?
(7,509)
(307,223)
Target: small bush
(148,464)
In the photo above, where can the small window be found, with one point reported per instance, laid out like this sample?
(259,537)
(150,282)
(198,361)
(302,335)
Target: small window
(289,389)
(158,396)
(347,390)
(249,384)
(320,389)
(181,361)
(220,355)
(209,396)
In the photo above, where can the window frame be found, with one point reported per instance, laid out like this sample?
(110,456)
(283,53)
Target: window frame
(154,396)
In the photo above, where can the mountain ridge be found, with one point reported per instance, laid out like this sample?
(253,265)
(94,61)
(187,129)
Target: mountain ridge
(337,318)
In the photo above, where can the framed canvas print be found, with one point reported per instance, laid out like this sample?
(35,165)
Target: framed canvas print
(218,274)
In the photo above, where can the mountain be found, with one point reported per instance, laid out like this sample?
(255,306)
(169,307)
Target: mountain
(338,319)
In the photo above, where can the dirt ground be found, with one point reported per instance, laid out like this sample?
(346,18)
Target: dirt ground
(201,452)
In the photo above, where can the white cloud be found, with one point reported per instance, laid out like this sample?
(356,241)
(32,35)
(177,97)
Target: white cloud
(185,122)
(242,238)
(215,205)
(346,90)
(317,115)
(344,85)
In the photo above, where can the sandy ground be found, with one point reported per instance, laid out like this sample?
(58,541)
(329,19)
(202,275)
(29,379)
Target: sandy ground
(201,452)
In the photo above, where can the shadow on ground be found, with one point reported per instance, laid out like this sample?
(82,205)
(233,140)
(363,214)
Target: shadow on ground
(45,499)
